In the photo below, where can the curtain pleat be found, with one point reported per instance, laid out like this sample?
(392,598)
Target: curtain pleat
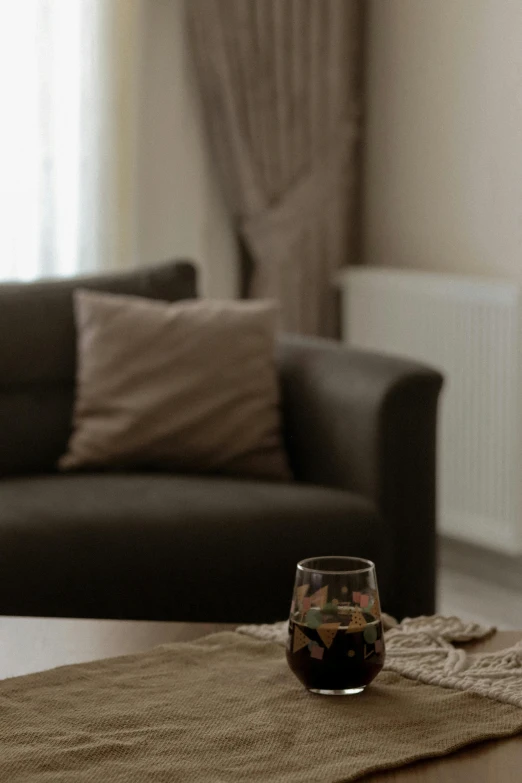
(280,81)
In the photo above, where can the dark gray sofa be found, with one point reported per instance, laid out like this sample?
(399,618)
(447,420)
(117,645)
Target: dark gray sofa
(360,432)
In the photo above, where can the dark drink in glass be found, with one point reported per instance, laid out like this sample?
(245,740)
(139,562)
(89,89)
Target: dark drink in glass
(350,663)
(335,642)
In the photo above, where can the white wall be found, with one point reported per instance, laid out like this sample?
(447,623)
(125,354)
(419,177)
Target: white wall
(444,154)
(179,207)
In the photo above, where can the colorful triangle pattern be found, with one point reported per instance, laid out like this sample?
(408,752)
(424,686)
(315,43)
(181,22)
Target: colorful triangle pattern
(320,597)
(357,621)
(300,639)
(327,633)
(300,592)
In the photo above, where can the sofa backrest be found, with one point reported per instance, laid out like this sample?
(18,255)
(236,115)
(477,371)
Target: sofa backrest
(37,357)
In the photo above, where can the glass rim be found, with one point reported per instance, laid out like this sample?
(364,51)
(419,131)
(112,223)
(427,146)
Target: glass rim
(369,565)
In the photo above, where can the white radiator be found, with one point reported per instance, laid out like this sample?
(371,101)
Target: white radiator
(470,329)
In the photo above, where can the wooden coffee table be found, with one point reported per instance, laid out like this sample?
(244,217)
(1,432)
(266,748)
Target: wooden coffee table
(34,644)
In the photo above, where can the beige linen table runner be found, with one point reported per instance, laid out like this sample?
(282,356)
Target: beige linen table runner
(224,709)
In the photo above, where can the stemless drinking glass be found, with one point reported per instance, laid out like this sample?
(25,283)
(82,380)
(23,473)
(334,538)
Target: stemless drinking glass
(335,637)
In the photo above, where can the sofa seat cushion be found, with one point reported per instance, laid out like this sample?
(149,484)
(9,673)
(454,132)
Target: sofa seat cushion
(170,547)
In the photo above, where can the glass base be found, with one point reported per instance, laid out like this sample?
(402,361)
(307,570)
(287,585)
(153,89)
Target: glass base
(345,692)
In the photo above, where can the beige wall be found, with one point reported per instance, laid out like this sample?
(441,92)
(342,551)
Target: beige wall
(179,207)
(444,154)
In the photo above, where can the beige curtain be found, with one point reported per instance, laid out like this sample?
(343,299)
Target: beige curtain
(280,81)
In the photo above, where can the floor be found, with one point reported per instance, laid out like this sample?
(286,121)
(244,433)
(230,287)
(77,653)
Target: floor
(479,600)
(480,585)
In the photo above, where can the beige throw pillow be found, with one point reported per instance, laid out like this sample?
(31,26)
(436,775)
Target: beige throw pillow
(190,386)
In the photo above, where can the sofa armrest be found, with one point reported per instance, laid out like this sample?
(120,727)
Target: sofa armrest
(367,423)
